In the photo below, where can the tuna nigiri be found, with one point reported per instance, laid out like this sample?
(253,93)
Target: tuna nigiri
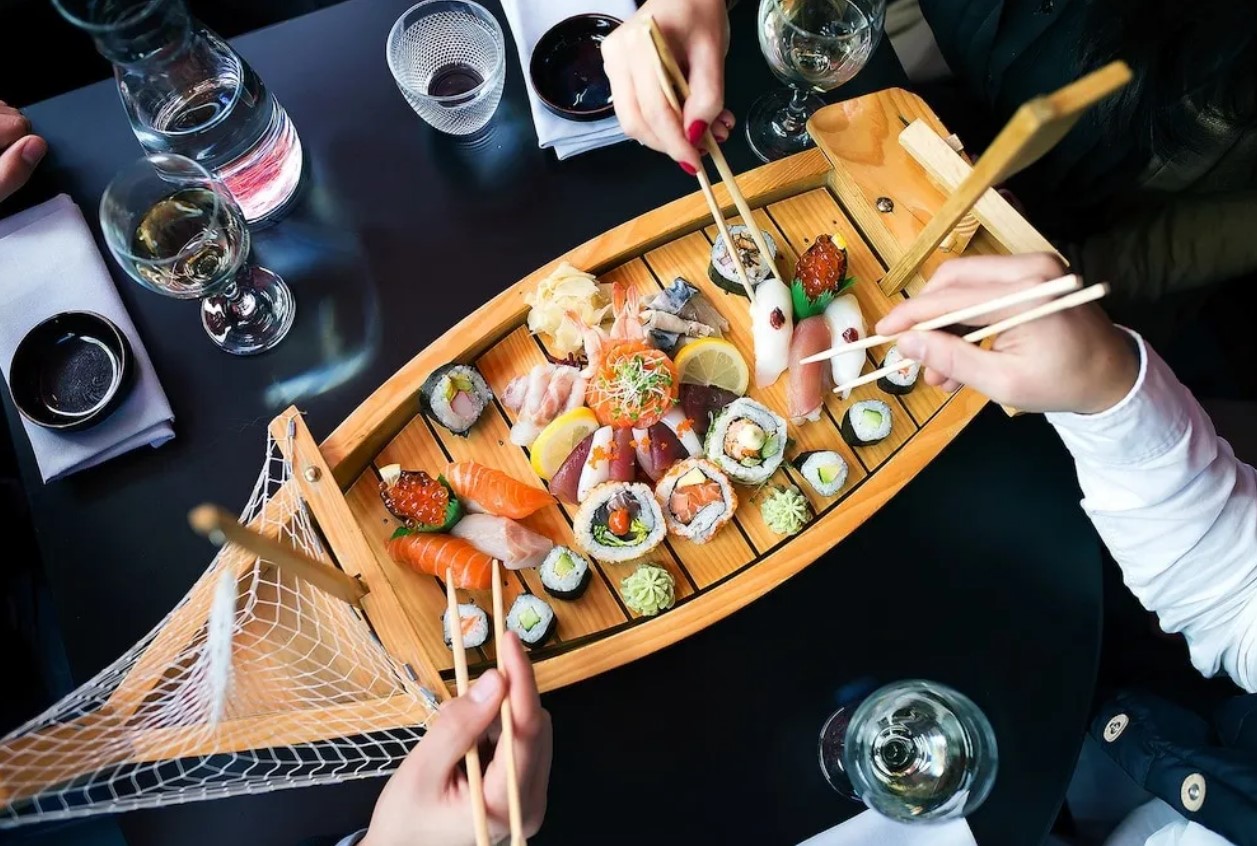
(434,555)
(492,491)
(514,545)
(806,394)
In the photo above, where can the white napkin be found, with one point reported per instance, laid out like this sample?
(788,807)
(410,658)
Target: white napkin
(49,264)
(529,20)
(871,828)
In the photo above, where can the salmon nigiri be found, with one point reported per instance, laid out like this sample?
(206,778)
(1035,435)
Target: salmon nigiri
(492,491)
(434,555)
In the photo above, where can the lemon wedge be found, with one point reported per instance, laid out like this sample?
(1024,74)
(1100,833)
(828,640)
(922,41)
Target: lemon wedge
(559,438)
(714,362)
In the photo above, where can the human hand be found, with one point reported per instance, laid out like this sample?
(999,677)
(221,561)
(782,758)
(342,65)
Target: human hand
(19,150)
(427,802)
(697,31)
(1075,360)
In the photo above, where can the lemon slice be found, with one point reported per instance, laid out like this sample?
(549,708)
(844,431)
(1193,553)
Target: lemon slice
(559,438)
(714,362)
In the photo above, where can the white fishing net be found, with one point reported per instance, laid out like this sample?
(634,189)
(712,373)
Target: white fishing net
(255,681)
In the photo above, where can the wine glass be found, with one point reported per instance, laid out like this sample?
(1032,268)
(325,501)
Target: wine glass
(176,229)
(811,46)
(913,751)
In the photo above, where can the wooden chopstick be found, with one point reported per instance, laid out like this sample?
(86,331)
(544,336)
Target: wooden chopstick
(1050,288)
(508,724)
(1073,300)
(475,778)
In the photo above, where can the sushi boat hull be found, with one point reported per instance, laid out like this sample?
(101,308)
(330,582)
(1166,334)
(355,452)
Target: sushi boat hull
(834,188)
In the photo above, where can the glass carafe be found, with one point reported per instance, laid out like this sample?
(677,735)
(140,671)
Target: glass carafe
(187,92)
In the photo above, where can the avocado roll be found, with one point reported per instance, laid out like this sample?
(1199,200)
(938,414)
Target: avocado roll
(532,618)
(565,573)
(619,521)
(823,469)
(900,381)
(474,622)
(455,395)
(747,440)
(866,422)
(724,273)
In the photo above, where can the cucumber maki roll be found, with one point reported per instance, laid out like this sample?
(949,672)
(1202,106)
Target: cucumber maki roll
(747,440)
(565,573)
(866,423)
(724,273)
(474,623)
(900,381)
(455,395)
(532,618)
(823,469)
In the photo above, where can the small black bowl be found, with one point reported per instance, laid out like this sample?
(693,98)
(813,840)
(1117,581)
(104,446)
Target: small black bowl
(71,371)
(566,68)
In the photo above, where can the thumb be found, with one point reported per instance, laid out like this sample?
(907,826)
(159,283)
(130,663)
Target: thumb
(18,162)
(459,727)
(707,89)
(959,361)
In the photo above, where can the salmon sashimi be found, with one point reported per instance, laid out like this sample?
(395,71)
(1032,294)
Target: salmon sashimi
(493,492)
(686,502)
(805,395)
(434,555)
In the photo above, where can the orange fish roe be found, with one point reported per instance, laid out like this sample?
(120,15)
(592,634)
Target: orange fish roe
(686,425)
(416,498)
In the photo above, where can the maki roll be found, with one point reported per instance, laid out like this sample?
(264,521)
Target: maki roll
(747,440)
(823,469)
(900,381)
(474,623)
(455,395)
(422,503)
(565,573)
(532,618)
(866,422)
(697,499)
(724,273)
(619,521)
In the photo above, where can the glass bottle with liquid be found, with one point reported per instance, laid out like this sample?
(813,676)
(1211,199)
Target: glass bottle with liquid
(187,92)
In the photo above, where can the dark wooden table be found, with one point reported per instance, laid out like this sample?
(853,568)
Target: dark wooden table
(983,574)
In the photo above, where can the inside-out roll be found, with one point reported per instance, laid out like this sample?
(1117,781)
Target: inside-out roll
(747,440)
(619,521)
(697,499)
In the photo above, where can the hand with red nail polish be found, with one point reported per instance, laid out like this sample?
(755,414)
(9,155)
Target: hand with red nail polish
(20,151)
(697,31)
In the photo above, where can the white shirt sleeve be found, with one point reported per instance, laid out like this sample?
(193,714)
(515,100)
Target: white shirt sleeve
(1178,512)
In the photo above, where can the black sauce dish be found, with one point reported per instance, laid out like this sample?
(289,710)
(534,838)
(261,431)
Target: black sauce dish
(566,68)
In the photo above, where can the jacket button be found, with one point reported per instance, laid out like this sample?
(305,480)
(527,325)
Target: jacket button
(1192,793)
(1114,728)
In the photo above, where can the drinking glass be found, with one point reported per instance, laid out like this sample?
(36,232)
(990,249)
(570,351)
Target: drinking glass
(913,751)
(448,57)
(177,230)
(811,46)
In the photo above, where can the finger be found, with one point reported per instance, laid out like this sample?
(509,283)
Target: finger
(457,729)
(658,114)
(720,132)
(629,113)
(18,162)
(952,359)
(727,120)
(707,88)
(13,125)
(525,699)
(996,269)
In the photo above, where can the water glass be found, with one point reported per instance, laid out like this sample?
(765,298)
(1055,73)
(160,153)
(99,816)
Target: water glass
(913,751)
(449,60)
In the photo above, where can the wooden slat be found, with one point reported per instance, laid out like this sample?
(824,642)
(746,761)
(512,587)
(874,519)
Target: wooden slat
(902,425)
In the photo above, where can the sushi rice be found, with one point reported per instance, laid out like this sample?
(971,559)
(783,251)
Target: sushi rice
(475,621)
(866,422)
(565,573)
(747,440)
(823,469)
(592,519)
(722,270)
(532,618)
(455,395)
(703,524)
(898,381)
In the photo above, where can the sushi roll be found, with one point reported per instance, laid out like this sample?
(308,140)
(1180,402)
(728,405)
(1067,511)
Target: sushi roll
(866,422)
(455,395)
(900,381)
(724,273)
(747,440)
(474,622)
(565,573)
(697,499)
(532,618)
(823,469)
(619,521)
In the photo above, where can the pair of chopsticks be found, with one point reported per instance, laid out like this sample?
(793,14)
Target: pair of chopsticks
(1051,288)
(475,782)
(673,82)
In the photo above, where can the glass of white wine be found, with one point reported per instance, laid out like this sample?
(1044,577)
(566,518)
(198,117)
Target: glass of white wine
(813,46)
(177,230)
(913,751)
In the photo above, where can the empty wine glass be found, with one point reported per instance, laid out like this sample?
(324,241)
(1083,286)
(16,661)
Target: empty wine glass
(177,230)
(811,46)
(913,751)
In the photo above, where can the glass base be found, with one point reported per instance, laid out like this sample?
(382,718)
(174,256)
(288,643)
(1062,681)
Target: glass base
(773,132)
(254,317)
(833,739)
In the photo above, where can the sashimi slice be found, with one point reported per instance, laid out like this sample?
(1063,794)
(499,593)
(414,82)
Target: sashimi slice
(492,491)
(641,446)
(565,484)
(623,456)
(805,396)
(502,538)
(701,403)
(437,555)
(683,427)
(597,467)
(665,448)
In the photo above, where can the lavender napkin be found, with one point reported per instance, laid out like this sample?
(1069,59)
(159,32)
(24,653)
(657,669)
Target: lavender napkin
(49,264)
(870,827)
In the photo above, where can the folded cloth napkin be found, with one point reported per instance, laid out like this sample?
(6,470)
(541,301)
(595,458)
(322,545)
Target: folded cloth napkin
(49,264)
(871,828)
(529,20)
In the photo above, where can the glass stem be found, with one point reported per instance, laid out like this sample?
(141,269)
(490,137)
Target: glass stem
(238,299)
(793,118)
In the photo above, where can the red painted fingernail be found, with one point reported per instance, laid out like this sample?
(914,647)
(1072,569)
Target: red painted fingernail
(688,168)
(696,130)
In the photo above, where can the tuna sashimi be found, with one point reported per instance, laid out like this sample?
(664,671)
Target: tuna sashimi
(435,555)
(502,538)
(485,489)
(701,403)
(623,457)
(665,450)
(805,396)
(565,483)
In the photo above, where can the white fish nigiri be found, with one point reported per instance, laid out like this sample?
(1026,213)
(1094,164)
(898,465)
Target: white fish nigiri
(846,324)
(772,324)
